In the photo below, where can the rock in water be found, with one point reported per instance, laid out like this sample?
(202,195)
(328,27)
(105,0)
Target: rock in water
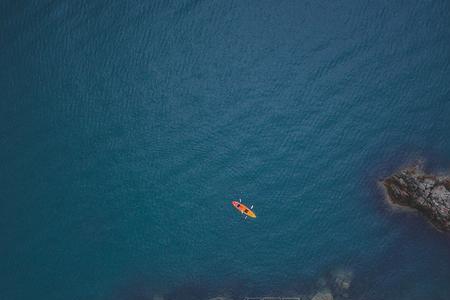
(324,295)
(342,282)
(427,193)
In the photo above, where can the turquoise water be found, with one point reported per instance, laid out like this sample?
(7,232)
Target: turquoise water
(127,128)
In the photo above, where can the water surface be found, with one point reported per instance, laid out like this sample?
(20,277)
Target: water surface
(127,127)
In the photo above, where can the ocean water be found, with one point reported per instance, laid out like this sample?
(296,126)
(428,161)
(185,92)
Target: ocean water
(127,127)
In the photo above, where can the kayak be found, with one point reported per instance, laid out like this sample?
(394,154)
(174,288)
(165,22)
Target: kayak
(243,209)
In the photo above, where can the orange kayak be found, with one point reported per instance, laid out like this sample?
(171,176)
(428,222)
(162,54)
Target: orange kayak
(243,209)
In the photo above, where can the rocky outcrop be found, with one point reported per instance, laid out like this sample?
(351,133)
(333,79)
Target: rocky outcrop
(429,194)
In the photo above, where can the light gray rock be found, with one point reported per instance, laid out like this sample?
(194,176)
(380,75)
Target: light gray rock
(323,295)
(343,279)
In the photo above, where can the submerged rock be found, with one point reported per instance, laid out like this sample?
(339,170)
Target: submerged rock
(342,282)
(429,194)
(323,295)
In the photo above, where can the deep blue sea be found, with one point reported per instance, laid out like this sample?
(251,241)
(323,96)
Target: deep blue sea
(128,127)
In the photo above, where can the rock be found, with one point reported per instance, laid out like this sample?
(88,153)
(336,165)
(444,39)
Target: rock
(158,297)
(429,194)
(323,295)
(343,279)
(343,284)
